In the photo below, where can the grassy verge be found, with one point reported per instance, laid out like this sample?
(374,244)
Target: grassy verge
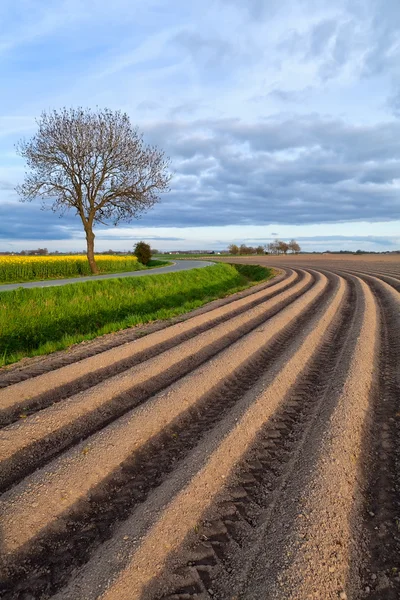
(155,263)
(42,320)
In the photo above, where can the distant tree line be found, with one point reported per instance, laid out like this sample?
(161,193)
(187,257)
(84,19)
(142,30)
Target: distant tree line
(275,247)
(243,249)
(281,247)
(38,252)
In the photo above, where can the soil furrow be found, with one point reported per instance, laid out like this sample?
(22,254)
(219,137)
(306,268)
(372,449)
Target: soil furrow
(380,572)
(27,397)
(182,514)
(227,535)
(31,442)
(41,365)
(392,281)
(321,543)
(209,410)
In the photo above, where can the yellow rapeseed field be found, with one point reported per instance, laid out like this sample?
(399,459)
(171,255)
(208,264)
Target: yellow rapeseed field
(30,268)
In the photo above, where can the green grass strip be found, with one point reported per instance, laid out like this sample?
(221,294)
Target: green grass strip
(42,320)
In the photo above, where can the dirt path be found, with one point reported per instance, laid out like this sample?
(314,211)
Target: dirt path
(249,450)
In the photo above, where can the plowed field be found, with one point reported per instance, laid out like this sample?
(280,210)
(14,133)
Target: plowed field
(249,451)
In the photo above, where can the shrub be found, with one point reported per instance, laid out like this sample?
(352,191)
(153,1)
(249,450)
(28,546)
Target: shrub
(142,252)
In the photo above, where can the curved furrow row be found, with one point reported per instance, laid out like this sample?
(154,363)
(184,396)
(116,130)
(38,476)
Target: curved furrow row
(208,315)
(380,573)
(100,464)
(195,483)
(228,537)
(394,282)
(248,451)
(27,444)
(28,396)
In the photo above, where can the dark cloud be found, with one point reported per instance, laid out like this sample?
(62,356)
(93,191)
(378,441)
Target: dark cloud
(229,172)
(24,221)
(300,170)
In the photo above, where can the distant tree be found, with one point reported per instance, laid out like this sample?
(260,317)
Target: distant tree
(260,250)
(38,252)
(142,252)
(283,247)
(96,163)
(276,247)
(154,251)
(246,249)
(233,249)
(294,247)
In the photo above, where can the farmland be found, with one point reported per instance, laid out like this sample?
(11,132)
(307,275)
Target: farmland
(15,269)
(249,450)
(42,320)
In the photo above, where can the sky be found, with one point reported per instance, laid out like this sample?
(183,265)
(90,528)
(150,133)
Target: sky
(281,117)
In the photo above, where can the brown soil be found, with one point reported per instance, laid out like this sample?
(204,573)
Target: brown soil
(248,450)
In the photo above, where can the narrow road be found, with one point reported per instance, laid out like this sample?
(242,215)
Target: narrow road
(248,451)
(182,265)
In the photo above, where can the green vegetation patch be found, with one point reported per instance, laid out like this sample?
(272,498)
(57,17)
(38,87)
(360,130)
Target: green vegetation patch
(17,269)
(253,272)
(42,320)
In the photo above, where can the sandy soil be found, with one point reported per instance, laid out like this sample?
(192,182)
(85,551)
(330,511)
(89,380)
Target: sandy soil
(249,450)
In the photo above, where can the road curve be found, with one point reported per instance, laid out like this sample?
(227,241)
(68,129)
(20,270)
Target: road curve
(181,265)
(250,450)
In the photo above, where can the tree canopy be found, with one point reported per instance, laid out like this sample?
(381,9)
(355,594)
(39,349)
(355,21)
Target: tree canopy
(95,163)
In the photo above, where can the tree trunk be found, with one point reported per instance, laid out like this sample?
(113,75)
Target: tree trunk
(90,251)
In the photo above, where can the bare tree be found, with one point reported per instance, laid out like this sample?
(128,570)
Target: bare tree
(246,249)
(95,163)
(294,247)
(233,249)
(275,247)
(283,247)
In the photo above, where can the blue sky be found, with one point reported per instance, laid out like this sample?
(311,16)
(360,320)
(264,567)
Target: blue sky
(280,117)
